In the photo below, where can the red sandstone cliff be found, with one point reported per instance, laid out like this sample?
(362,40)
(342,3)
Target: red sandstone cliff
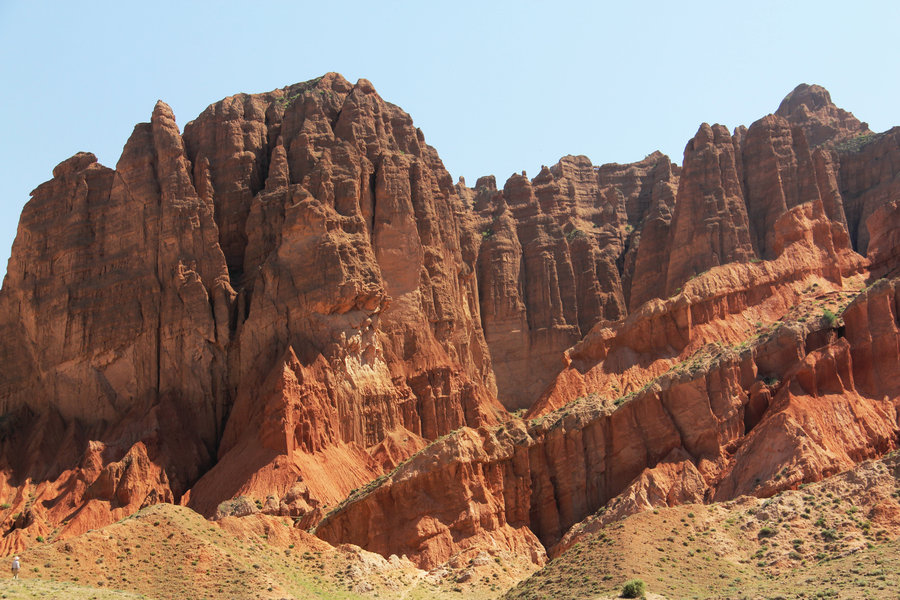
(291,299)
(739,383)
(280,295)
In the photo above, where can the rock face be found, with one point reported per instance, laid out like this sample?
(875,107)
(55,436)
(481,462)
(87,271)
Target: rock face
(290,308)
(285,281)
(581,244)
(755,248)
(810,107)
(116,304)
(710,225)
(558,254)
(699,425)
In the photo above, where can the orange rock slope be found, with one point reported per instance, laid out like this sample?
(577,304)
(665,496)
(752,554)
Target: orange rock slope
(757,373)
(290,308)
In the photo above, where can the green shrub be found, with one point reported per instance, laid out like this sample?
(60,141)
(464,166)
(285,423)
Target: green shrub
(830,317)
(633,588)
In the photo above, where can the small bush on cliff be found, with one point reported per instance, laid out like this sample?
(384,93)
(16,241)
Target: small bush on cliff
(829,317)
(633,588)
(855,144)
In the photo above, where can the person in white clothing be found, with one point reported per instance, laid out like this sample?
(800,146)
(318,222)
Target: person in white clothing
(15,567)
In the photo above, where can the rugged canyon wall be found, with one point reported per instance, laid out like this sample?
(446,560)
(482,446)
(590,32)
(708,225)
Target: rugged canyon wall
(728,372)
(288,284)
(291,308)
(558,255)
(769,405)
(581,244)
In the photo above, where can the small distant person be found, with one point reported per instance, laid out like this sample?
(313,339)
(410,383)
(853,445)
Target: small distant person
(15,567)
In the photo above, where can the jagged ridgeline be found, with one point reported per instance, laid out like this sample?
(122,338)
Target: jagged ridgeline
(290,308)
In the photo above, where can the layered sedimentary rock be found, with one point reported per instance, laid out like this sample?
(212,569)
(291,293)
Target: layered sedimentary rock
(868,179)
(285,281)
(292,308)
(580,244)
(116,302)
(353,267)
(558,255)
(766,407)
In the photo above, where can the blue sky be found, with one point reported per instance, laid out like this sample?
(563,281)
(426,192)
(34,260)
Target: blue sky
(497,87)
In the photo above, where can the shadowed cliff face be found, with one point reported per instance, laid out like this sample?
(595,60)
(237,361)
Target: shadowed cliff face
(291,299)
(289,279)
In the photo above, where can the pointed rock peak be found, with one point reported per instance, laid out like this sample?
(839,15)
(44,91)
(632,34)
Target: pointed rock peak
(703,137)
(335,82)
(709,134)
(810,107)
(164,126)
(74,164)
(814,97)
(365,86)
(162,111)
(544,176)
(166,136)
(486,182)
(655,157)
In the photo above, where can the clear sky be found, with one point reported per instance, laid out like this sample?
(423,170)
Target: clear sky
(497,87)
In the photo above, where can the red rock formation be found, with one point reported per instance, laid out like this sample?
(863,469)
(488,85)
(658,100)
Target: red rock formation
(710,225)
(884,245)
(557,256)
(386,321)
(115,310)
(291,299)
(778,175)
(868,179)
(342,235)
(453,497)
(810,107)
(703,425)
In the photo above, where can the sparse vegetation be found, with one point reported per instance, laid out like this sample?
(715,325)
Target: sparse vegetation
(855,144)
(574,233)
(634,588)
(742,548)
